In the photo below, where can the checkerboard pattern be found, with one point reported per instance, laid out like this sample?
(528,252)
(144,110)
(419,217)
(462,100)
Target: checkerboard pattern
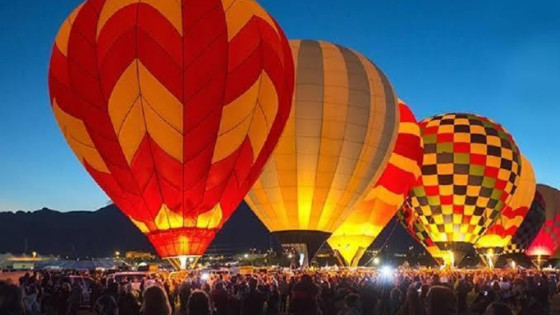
(528,229)
(471,169)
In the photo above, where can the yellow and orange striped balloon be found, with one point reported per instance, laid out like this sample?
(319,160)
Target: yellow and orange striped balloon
(338,139)
(371,215)
(173,107)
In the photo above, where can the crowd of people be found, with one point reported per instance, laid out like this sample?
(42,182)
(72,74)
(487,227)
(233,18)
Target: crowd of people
(387,292)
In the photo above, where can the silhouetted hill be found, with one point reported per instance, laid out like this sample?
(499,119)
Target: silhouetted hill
(100,233)
(79,233)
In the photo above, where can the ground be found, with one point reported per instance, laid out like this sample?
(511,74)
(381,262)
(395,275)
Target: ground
(554,308)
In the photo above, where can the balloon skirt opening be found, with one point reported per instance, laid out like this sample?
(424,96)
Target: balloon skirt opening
(301,245)
(174,243)
(360,251)
(183,262)
(456,251)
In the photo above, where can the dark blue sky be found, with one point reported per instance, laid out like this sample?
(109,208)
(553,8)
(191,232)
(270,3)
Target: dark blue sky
(497,58)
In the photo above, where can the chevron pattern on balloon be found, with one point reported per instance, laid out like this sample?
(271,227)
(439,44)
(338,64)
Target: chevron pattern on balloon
(148,95)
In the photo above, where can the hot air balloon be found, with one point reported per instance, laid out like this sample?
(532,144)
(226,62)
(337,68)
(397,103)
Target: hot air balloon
(547,240)
(337,141)
(470,170)
(491,244)
(173,107)
(529,229)
(369,217)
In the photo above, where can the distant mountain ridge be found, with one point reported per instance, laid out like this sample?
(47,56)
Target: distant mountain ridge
(102,232)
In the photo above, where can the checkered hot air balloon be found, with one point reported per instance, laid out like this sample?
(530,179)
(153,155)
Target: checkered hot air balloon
(547,240)
(173,107)
(337,142)
(470,170)
(369,217)
(492,243)
(529,229)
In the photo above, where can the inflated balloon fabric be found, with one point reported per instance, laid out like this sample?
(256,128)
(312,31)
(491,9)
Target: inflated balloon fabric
(173,107)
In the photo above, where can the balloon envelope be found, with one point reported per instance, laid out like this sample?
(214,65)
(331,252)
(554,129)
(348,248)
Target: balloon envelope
(470,169)
(337,141)
(173,107)
(371,215)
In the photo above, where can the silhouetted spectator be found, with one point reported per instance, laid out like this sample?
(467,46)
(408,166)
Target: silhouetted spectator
(155,302)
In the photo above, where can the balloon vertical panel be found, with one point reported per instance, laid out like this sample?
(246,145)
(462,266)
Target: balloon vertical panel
(336,143)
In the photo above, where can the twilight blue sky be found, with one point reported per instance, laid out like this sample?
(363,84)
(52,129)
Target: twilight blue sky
(497,58)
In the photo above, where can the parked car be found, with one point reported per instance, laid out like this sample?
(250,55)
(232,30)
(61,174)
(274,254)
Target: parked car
(133,277)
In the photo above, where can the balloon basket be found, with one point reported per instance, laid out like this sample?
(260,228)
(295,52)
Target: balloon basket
(301,246)
(355,259)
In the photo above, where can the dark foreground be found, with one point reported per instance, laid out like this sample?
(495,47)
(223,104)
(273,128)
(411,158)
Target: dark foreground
(554,307)
(357,292)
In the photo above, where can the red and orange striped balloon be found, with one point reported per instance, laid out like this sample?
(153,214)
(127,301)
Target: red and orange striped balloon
(173,107)
(499,235)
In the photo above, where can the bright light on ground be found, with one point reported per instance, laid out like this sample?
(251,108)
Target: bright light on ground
(386,271)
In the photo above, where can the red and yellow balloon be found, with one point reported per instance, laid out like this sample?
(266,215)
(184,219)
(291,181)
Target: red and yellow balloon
(173,107)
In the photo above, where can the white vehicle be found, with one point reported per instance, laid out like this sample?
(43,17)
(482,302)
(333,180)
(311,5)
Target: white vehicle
(133,277)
